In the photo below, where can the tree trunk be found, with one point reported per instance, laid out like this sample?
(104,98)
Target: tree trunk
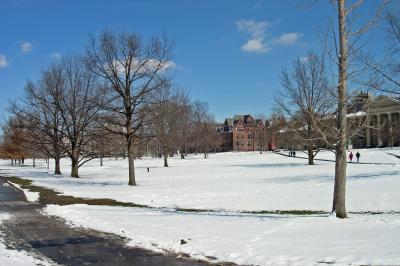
(74,170)
(310,156)
(339,195)
(165,159)
(131,157)
(101,160)
(75,163)
(34,161)
(57,169)
(12,162)
(23,160)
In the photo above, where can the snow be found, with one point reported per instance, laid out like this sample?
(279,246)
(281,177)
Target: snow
(16,257)
(229,183)
(30,196)
(259,240)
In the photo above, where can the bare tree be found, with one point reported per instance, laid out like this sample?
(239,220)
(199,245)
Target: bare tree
(384,72)
(199,113)
(184,125)
(167,111)
(346,41)
(209,139)
(78,103)
(40,114)
(204,135)
(307,100)
(131,70)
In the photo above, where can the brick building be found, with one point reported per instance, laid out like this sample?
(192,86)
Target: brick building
(244,133)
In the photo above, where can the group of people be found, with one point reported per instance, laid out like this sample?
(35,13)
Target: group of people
(292,154)
(357,156)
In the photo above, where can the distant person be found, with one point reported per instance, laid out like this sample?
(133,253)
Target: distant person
(290,153)
(358,156)
(351,157)
(148,169)
(294,153)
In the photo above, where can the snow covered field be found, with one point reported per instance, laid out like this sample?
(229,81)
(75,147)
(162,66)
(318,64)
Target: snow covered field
(234,182)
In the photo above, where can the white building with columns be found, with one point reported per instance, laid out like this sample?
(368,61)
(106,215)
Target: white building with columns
(383,128)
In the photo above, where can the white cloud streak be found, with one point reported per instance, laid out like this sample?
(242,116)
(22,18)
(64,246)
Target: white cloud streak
(260,40)
(288,38)
(3,61)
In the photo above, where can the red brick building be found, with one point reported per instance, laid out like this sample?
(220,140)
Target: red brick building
(244,133)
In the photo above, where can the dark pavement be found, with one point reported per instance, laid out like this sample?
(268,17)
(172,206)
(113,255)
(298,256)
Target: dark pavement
(49,236)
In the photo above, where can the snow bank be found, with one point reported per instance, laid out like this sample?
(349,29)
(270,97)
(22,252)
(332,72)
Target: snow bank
(30,196)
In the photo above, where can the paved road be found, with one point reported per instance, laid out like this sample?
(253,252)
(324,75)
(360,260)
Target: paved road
(49,236)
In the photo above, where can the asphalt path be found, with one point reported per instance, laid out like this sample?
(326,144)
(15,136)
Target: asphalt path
(44,236)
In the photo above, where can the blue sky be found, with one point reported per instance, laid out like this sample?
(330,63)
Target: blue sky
(228,52)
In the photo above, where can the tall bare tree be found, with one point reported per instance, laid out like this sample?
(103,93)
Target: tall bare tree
(79,106)
(307,100)
(184,125)
(131,70)
(167,112)
(346,42)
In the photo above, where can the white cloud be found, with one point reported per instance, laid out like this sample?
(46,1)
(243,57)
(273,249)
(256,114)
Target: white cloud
(26,47)
(257,31)
(255,45)
(56,55)
(3,61)
(288,38)
(260,40)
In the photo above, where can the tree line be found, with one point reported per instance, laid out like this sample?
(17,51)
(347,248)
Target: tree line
(118,99)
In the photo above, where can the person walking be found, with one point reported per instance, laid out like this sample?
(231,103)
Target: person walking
(351,157)
(358,156)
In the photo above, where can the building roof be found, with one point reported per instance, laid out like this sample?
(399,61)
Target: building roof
(248,120)
(229,122)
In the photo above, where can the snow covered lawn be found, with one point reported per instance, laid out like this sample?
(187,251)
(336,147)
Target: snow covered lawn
(259,240)
(232,182)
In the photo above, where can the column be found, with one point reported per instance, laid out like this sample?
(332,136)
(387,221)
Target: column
(368,132)
(378,130)
(391,140)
